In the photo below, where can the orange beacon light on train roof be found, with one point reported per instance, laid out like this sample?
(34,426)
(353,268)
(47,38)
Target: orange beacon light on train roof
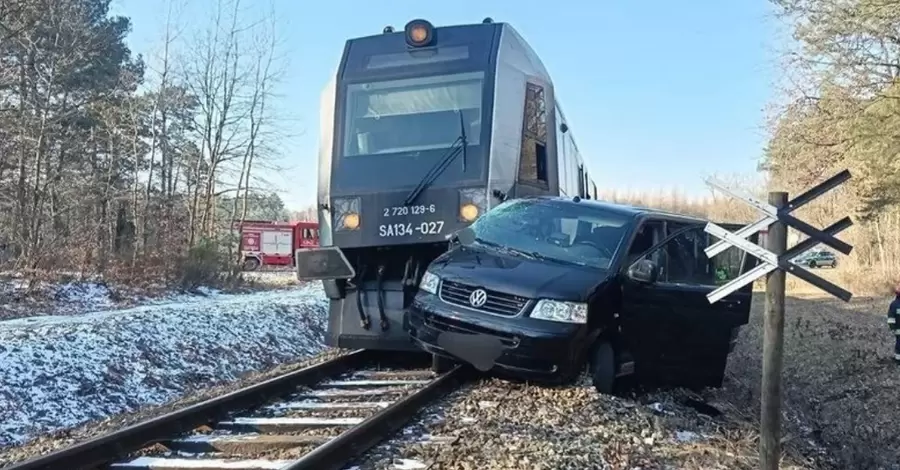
(419,33)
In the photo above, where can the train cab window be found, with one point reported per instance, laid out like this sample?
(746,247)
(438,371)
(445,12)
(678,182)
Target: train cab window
(412,115)
(533,156)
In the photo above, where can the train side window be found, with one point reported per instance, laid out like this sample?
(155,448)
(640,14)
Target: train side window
(574,158)
(533,156)
(563,165)
(581,180)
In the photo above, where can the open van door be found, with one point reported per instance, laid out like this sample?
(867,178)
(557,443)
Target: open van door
(675,335)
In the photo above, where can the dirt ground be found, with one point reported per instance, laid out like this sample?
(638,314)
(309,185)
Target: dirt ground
(840,383)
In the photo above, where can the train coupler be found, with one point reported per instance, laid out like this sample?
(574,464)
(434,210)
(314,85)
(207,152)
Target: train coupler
(380,297)
(364,321)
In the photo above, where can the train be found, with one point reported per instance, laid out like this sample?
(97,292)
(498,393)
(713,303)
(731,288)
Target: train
(422,131)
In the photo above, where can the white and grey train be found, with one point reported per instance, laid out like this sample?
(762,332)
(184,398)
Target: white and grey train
(422,131)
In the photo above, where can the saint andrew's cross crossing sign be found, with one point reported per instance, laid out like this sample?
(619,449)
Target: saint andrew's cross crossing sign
(769,260)
(776,259)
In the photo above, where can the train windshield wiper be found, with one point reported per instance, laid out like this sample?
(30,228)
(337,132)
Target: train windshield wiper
(458,146)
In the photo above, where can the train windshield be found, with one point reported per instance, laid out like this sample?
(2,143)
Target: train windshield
(412,115)
(577,234)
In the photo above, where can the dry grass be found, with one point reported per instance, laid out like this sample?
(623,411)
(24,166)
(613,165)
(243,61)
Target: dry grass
(840,384)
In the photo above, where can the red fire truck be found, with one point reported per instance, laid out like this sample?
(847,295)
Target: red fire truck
(268,243)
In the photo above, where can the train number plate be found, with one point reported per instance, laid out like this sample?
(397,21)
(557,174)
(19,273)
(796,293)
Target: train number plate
(400,211)
(407,229)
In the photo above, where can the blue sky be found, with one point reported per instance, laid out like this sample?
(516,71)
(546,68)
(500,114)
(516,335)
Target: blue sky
(658,93)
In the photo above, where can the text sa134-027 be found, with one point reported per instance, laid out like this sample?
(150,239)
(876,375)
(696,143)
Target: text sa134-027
(407,229)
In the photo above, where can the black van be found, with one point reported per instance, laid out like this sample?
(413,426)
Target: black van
(539,287)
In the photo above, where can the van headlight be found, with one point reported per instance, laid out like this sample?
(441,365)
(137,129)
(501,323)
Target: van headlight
(429,283)
(555,310)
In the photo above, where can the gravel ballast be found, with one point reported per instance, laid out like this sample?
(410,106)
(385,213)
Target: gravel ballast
(496,424)
(60,372)
(839,387)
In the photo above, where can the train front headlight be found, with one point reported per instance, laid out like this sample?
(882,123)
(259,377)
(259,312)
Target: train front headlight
(430,283)
(346,213)
(468,212)
(472,203)
(419,33)
(351,221)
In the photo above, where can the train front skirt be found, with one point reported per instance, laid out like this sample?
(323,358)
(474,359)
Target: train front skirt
(373,320)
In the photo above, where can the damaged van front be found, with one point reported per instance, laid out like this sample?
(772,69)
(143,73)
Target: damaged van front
(540,288)
(515,294)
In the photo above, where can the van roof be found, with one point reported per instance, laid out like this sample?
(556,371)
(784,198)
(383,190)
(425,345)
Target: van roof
(624,209)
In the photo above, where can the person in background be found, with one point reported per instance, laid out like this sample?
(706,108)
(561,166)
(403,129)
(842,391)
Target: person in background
(894,322)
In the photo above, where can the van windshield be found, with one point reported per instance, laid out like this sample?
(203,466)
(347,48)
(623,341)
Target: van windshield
(569,233)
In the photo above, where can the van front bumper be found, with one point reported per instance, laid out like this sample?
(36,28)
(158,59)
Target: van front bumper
(531,349)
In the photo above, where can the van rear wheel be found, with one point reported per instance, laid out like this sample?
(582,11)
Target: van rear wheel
(603,367)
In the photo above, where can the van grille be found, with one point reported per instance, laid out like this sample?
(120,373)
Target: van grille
(497,303)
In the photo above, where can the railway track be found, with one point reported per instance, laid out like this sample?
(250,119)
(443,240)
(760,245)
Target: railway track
(321,417)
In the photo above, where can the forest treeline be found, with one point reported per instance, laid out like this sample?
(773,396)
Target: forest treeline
(116,163)
(838,108)
(842,111)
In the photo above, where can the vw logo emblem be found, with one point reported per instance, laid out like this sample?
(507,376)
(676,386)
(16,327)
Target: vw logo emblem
(477,298)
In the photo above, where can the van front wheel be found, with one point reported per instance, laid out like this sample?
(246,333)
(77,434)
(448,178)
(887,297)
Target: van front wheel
(603,367)
(441,364)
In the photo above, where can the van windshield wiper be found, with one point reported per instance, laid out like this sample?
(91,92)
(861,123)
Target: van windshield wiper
(506,249)
(536,255)
(458,145)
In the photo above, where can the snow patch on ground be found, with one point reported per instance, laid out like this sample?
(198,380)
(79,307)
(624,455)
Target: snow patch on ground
(84,294)
(76,297)
(79,295)
(58,372)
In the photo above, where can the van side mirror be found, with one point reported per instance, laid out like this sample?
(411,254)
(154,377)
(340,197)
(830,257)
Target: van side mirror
(644,271)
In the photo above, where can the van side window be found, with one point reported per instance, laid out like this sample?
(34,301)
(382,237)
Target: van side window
(648,235)
(682,260)
(533,156)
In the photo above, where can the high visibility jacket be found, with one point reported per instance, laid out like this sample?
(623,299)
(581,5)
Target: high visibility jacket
(893,316)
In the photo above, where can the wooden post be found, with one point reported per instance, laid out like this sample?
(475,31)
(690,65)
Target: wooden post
(773,346)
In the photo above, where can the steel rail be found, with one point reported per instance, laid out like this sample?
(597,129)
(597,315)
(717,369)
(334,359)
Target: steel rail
(115,445)
(343,449)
